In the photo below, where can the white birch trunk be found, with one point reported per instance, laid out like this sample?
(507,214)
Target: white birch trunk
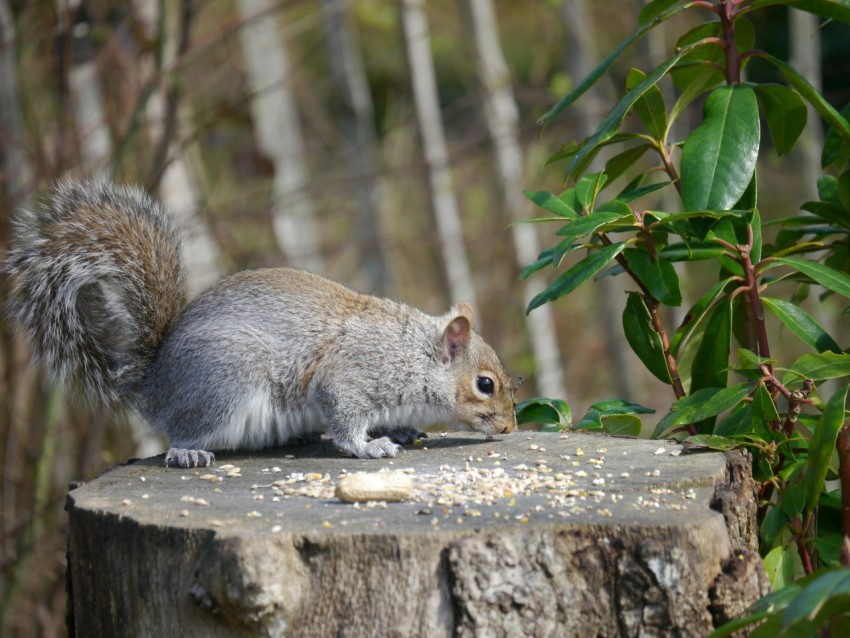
(580,60)
(17,172)
(417,43)
(805,57)
(356,121)
(86,96)
(178,188)
(503,120)
(278,133)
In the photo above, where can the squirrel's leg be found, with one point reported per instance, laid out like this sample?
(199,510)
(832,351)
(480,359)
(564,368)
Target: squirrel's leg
(181,457)
(399,433)
(348,418)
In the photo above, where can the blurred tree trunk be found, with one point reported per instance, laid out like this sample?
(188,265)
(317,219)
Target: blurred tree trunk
(171,173)
(356,118)
(580,59)
(15,190)
(804,37)
(18,178)
(443,201)
(502,117)
(278,133)
(86,97)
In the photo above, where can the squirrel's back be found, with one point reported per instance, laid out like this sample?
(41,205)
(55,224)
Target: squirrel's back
(96,278)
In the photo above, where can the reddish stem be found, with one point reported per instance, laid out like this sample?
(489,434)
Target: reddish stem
(805,557)
(755,306)
(727,24)
(843,446)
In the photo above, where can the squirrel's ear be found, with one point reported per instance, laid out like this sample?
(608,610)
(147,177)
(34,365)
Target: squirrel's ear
(458,332)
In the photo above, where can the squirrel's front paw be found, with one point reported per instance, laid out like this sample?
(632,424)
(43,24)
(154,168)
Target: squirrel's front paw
(374,449)
(181,457)
(402,434)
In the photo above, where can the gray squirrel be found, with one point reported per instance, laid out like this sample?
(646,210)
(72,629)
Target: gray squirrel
(260,359)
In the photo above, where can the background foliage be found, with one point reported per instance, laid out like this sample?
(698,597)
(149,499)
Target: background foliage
(732,387)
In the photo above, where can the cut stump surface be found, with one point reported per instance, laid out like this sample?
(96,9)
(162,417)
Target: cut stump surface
(532,534)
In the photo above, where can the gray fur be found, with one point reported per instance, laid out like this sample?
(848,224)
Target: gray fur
(260,359)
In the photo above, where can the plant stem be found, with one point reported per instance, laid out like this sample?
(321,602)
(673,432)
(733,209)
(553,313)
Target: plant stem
(805,556)
(672,366)
(843,447)
(733,61)
(657,323)
(756,308)
(669,168)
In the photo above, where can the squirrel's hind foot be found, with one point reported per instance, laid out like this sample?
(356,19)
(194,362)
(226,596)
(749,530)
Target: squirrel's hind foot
(181,457)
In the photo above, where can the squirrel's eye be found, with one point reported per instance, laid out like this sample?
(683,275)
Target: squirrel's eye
(485,385)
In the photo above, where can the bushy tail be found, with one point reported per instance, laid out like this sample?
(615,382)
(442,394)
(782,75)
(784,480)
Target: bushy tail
(97,278)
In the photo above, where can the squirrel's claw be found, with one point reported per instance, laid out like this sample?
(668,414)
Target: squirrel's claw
(181,457)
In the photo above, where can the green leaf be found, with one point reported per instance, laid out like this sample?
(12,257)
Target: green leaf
(695,251)
(801,84)
(549,202)
(630,194)
(606,64)
(653,9)
(755,225)
(719,157)
(738,422)
(588,187)
(701,83)
(822,446)
(711,55)
(711,361)
(801,324)
(826,587)
(620,406)
(702,404)
(818,367)
(835,9)
(844,190)
(824,275)
(642,337)
(709,442)
(763,412)
(621,424)
(612,121)
(696,315)
(620,163)
(659,277)
(545,411)
(781,566)
(577,275)
(590,421)
(650,107)
(591,223)
(543,260)
(836,149)
(785,113)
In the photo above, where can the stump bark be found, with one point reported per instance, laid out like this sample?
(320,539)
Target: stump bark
(533,534)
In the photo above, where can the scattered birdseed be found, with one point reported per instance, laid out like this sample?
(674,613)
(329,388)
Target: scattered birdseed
(253,514)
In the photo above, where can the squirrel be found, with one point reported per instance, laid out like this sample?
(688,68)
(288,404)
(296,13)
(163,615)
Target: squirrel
(260,359)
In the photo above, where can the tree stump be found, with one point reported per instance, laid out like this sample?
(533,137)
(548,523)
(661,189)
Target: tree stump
(531,534)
